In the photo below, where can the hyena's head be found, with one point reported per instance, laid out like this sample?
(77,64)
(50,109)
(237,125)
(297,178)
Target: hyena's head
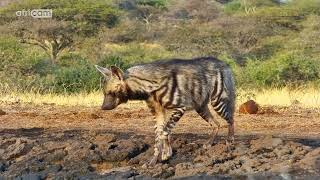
(114,88)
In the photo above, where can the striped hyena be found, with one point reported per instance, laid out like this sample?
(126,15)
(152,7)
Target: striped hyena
(170,88)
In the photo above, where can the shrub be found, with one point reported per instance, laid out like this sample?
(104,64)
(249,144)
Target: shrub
(283,70)
(247,6)
(82,77)
(17,64)
(134,53)
(114,61)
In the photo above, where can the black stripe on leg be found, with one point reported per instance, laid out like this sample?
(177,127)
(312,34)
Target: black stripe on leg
(219,90)
(175,117)
(215,87)
(218,105)
(174,86)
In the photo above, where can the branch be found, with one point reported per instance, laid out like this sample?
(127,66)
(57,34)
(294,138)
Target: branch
(35,42)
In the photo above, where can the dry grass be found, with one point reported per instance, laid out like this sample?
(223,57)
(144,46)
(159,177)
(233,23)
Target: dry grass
(80,99)
(303,97)
(309,98)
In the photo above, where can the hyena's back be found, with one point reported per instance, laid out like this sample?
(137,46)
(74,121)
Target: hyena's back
(192,84)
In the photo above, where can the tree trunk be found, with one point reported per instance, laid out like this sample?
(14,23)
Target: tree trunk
(52,51)
(53,58)
(52,48)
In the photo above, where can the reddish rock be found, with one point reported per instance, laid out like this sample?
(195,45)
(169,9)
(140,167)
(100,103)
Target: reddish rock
(249,107)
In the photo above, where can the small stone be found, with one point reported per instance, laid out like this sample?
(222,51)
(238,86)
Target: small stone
(123,150)
(144,166)
(2,167)
(267,142)
(165,166)
(311,161)
(19,148)
(2,112)
(104,138)
(119,169)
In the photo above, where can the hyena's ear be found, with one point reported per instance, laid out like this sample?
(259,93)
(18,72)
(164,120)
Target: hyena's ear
(117,72)
(104,71)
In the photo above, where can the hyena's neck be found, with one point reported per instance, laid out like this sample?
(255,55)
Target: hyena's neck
(135,90)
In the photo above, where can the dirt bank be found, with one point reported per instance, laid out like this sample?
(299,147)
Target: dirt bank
(54,142)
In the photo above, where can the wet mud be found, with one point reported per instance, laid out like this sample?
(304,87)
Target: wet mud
(40,154)
(50,142)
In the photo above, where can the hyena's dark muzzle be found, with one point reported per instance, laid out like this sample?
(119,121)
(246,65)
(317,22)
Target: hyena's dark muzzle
(110,102)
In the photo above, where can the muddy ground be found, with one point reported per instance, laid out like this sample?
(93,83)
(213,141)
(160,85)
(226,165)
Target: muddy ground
(54,142)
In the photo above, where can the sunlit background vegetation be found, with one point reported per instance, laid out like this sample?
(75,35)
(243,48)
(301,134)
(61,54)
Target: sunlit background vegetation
(270,44)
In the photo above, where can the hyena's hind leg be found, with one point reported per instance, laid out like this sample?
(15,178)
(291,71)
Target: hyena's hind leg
(207,116)
(225,109)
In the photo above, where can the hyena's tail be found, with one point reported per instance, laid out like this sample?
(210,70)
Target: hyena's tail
(223,101)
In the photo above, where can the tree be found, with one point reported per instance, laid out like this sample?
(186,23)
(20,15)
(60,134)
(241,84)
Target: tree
(201,10)
(144,10)
(52,36)
(71,19)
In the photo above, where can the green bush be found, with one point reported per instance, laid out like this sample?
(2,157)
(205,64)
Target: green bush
(156,3)
(282,70)
(75,74)
(305,7)
(82,77)
(243,5)
(114,61)
(135,53)
(266,43)
(232,7)
(25,69)
(18,65)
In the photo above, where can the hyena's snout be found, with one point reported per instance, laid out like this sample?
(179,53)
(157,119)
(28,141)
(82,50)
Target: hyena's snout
(107,107)
(109,103)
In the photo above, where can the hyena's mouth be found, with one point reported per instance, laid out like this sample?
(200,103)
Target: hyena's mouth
(107,107)
(110,103)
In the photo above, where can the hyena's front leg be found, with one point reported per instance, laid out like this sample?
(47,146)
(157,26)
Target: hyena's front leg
(176,114)
(159,113)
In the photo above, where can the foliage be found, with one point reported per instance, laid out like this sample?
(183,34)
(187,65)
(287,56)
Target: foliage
(76,78)
(155,3)
(86,15)
(285,69)
(70,19)
(52,36)
(248,6)
(266,43)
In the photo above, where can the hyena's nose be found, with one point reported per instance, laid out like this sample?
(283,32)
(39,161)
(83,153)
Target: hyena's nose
(107,107)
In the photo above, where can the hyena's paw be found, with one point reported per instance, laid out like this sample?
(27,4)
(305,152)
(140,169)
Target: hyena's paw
(230,144)
(158,148)
(166,153)
(209,144)
(153,161)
